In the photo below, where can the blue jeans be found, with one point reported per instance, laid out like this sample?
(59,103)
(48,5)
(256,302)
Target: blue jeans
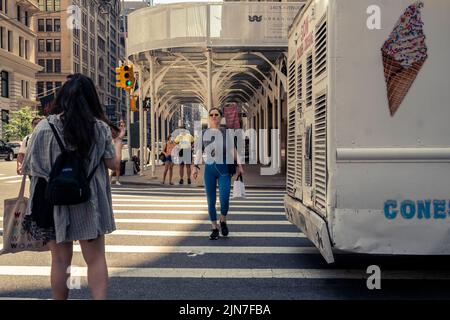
(217,173)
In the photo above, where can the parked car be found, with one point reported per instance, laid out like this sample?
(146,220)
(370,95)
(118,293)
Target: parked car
(15,145)
(6,152)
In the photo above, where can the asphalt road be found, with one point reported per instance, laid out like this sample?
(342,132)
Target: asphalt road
(161,250)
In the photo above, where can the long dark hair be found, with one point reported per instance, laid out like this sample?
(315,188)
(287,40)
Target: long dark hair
(80,106)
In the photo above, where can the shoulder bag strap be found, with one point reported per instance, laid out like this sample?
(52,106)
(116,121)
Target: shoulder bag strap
(60,143)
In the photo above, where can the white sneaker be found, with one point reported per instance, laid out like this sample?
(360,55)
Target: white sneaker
(118,183)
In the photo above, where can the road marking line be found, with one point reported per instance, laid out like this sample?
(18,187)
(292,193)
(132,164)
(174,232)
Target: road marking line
(200,200)
(181,212)
(190,221)
(154,233)
(216,273)
(11,177)
(155,205)
(196,189)
(205,249)
(14,181)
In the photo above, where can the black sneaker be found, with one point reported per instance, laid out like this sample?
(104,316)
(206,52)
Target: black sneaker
(224,228)
(214,234)
(181,181)
(189,181)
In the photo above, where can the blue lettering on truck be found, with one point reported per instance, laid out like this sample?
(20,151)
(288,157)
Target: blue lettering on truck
(420,209)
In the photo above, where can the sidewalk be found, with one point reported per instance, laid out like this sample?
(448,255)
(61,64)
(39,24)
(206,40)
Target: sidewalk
(252,178)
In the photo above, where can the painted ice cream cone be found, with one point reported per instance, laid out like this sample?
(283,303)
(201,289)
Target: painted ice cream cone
(404,54)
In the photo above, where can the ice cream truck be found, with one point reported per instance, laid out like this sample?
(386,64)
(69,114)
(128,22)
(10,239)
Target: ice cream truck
(368,147)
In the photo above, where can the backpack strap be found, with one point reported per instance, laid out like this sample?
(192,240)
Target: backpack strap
(60,143)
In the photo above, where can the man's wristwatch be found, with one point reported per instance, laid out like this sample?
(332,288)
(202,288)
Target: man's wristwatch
(197,166)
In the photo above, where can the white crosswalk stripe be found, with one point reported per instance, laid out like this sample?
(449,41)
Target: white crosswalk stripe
(11,178)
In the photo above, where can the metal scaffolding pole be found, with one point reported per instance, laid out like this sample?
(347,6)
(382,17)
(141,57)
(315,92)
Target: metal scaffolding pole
(209,79)
(152,115)
(141,122)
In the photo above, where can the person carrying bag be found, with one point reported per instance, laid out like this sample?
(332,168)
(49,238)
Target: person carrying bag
(15,237)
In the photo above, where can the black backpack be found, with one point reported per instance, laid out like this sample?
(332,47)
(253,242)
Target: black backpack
(68,183)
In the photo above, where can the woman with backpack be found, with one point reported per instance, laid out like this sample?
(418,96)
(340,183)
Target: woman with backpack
(75,137)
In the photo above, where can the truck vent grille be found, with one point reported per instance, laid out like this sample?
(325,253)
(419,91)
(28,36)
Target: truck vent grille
(320,153)
(308,156)
(321,49)
(290,178)
(309,80)
(299,158)
(299,86)
(291,75)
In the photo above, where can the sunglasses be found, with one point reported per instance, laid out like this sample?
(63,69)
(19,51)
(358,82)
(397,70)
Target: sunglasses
(214,115)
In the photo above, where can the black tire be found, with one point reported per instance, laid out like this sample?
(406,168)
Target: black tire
(10,156)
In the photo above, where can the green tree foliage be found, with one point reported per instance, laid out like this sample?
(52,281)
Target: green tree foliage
(19,124)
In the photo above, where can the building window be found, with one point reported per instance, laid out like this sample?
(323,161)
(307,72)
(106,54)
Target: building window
(19,14)
(49,6)
(22,88)
(6,7)
(57,25)
(49,23)
(49,66)
(27,20)
(42,5)
(49,45)
(27,90)
(41,25)
(21,47)
(2,36)
(76,50)
(58,85)
(76,67)
(10,41)
(41,45)
(40,88)
(27,48)
(49,87)
(57,5)
(85,38)
(57,47)
(41,62)
(92,61)
(85,56)
(57,65)
(5,84)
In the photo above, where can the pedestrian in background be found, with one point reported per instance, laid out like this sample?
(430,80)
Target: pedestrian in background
(78,118)
(115,132)
(185,141)
(24,144)
(218,173)
(168,163)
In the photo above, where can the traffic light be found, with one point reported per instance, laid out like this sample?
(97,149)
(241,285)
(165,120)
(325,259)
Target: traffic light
(128,76)
(120,83)
(125,77)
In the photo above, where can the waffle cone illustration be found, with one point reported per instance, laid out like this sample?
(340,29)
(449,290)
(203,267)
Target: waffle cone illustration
(404,54)
(398,80)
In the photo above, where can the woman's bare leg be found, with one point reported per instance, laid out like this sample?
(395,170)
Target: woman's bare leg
(61,260)
(94,255)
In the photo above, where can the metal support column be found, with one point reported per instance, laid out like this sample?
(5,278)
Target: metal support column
(209,98)
(279,106)
(152,115)
(141,122)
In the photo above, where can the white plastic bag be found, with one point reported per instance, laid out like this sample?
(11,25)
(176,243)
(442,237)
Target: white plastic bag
(239,188)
